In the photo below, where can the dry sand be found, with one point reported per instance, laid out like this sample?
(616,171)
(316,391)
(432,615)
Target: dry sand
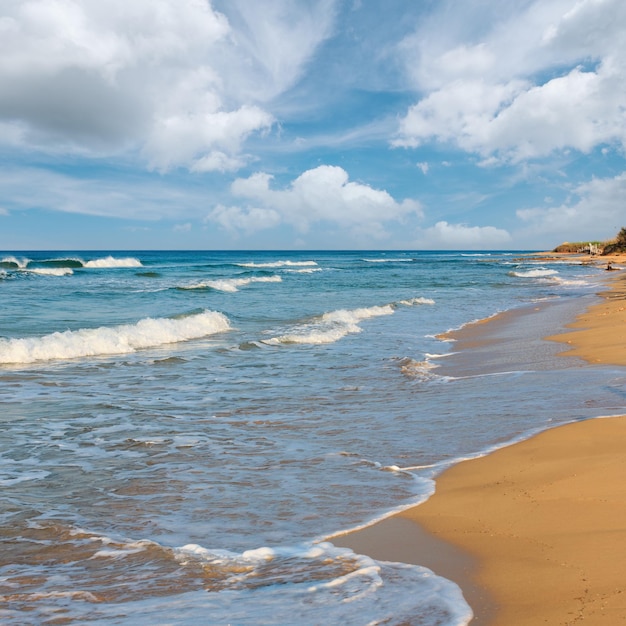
(534,533)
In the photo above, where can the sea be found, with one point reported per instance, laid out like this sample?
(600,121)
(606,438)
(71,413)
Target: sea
(183,434)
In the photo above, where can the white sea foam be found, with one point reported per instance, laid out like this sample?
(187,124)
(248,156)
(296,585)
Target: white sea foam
(331,584)
(331,327)
(124,339)
(404,260)
(308,270)
(335,325)
(537,273)
(51,271)
(85,596)
(232,284)
(416,301)
(571,283)
(420,370)
(12,260)
(279,264)
(121,550)
(112,262)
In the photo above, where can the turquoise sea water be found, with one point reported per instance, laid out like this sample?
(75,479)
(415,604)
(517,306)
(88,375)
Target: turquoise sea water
(182,433)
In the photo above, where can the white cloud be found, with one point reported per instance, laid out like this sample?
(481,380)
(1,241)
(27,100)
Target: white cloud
(217,161)
(173,78)
(322,194)
(595,205)
(423,166)
(248,220)
(181,138)
(272,43)
(461,236)
(519,80)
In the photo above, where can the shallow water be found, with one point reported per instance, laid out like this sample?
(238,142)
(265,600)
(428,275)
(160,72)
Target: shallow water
(183,432)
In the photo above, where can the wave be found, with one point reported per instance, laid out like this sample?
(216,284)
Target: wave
(308,270)
(414,301)
(24,263)
(572,283)
(538,273)
(388,260)
(232,284)
(73,262)
(337,582)
(279,264)
(103,341)
(421,370)
(14,263)
(306,583)
(330,327)
(112,262)
(50,271)
(335,325)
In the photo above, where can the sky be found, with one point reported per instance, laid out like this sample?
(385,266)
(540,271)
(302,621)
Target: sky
(311,124)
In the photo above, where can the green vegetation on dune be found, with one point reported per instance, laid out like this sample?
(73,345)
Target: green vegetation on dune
(617,245)
(611,246)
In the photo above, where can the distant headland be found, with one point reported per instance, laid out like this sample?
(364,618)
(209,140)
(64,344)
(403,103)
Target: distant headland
(617,245)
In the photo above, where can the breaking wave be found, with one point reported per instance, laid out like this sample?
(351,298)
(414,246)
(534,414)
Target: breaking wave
(335,325)
(414,301)
(279,264)
(307,270)
(51,271)
(103,341)
(404,260)
(111,262)
(232,284)
(537,273)
(13,262)
(330,327)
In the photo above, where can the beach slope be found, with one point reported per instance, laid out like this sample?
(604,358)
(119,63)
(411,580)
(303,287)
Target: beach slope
(546,521)
(539,527)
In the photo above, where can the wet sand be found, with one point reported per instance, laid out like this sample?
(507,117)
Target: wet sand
(599,334)
(534,533)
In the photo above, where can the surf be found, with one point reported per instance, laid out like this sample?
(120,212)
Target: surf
(105,341)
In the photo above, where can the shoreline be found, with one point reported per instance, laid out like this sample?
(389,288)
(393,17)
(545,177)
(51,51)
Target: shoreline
(534,532)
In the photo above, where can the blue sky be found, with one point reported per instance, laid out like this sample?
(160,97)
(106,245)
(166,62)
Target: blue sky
(303,124)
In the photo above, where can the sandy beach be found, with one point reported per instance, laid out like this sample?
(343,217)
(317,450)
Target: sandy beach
(534,533)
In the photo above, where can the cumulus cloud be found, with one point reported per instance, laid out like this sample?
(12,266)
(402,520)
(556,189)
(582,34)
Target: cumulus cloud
(523,80)
(248,220)
(180,138)
(593,206)
(322,194)
(171,78)
(462,236)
